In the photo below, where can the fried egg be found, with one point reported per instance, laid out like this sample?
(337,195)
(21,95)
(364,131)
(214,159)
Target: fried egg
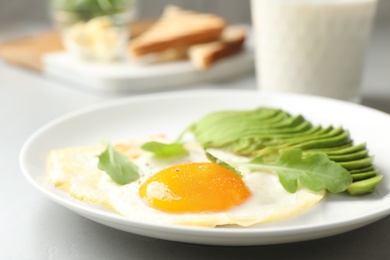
(184,191)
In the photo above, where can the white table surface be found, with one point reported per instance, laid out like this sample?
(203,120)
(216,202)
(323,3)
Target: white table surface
(34,227)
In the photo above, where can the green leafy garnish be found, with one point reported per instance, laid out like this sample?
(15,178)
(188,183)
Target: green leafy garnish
(117,166)
(222,164)
(168,150)
(86,9)
(164,151)
(315,172)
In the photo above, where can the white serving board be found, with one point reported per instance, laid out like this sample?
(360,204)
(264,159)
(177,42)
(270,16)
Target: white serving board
(129,75)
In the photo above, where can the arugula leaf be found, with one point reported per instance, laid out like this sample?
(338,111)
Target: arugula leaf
(164,150)
(222,163)
(118,166)
(314,172)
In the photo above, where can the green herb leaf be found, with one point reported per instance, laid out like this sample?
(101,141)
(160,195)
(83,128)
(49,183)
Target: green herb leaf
(314,172)
(117,166)
(88,9)
(222,164)
(164,150)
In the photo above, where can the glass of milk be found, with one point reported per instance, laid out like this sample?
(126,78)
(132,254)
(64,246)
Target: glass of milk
(314,47)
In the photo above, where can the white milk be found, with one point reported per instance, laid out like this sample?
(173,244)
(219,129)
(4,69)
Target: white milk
(312,46)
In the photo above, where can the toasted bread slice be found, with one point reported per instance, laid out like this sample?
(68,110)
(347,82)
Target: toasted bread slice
(179,29)
(138,27)
(231,42)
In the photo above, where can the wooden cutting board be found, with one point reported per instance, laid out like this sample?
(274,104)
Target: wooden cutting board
(28,51)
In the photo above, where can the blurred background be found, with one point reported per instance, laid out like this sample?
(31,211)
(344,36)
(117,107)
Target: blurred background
(18,17)
(19,12)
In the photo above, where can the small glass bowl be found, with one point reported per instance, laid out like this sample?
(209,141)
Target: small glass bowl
(94,29)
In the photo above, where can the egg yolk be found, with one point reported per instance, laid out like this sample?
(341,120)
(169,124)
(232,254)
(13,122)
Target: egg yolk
(194,188)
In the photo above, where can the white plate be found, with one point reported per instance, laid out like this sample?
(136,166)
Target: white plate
(169,113)
(129,75)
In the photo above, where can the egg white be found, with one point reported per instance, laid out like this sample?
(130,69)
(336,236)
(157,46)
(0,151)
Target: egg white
(75,171)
